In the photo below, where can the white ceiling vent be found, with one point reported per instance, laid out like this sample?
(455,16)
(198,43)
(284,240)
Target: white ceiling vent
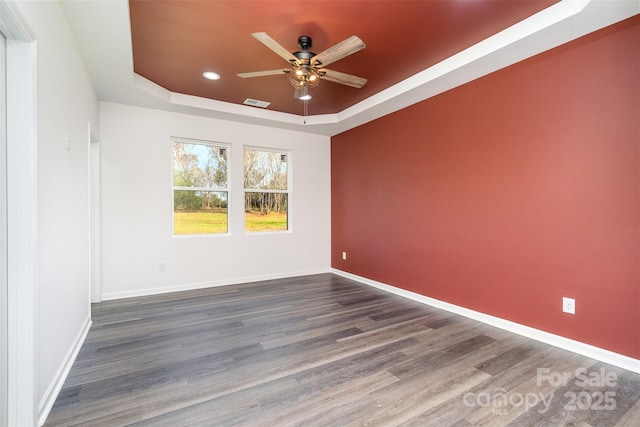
(256,103)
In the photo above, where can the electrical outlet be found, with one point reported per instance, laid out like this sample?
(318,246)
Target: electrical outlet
(344,256)
(568,305)
(163,267)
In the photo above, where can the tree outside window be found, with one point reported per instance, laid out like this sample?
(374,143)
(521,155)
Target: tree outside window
(266,190)
(200,187)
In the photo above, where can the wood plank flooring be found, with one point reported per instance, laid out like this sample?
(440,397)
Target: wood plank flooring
(324,351)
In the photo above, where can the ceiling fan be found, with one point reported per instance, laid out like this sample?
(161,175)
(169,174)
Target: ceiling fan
(307,68)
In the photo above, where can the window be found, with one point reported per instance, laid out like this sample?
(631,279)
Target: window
(266,190)
(200,187)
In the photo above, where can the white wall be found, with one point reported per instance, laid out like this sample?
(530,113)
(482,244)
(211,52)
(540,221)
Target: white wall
(137,206)
(66,102)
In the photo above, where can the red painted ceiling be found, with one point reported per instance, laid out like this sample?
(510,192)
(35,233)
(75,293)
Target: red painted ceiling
(175,41)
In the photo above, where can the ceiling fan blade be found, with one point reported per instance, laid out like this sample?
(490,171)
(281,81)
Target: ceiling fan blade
(342,78)
(336,52)
(265,39)
(263,73)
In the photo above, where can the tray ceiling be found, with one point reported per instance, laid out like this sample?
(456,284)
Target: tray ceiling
(174,42)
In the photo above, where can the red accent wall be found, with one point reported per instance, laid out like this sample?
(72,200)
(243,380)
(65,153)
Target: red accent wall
(509,192)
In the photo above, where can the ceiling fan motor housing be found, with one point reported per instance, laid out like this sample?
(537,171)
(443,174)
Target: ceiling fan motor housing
(304,55)
(304,42)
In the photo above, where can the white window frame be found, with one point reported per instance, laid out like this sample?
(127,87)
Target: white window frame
(227,189)
(288,191)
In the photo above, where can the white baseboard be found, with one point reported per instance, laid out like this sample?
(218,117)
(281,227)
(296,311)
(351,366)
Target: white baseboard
(578,347)
(50,396)
(210,284)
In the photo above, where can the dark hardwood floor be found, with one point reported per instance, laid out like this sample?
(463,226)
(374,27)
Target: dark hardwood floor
(325,351)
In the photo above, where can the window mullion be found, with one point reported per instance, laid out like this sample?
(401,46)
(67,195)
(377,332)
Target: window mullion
(215,189)
(257,190)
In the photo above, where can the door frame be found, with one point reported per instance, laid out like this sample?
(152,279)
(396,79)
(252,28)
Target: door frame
(95,198)
(3,237)
(21,76)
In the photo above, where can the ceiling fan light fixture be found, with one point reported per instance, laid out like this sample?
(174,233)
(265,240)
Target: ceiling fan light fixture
(304,77)
(302,93)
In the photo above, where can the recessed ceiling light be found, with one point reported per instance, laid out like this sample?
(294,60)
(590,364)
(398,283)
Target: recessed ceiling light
(211,75)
